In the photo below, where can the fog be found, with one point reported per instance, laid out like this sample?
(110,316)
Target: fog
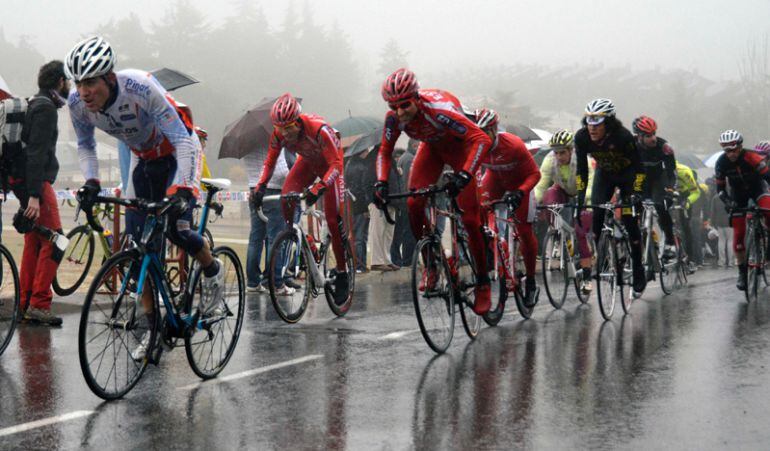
(698,66)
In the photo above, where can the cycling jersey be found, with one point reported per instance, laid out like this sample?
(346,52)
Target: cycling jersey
(744,176)
(509,157)
(658,162)
(144,117)
(615,156)
(563,175)
(317,144)
(440,122)
(686,183)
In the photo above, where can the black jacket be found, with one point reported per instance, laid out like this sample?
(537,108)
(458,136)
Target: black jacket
(38,162)
(615,155)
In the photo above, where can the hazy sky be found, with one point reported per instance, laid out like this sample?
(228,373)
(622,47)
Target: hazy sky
(708,35)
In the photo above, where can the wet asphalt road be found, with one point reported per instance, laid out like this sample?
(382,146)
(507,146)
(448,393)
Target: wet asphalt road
(687,371)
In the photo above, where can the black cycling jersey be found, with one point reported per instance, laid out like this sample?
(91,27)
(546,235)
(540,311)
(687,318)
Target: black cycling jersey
(659,163)
(615,155)
(744,175)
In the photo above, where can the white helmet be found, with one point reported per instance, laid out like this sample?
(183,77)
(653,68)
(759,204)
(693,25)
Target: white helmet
(730,136)
(599,109)
(92,57)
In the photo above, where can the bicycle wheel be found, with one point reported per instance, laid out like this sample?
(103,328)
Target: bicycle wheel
(330,263)
(499,289)
(208,237)
(113,325)
(555,262)
(210,345)
(289,281)
(648,260)
(682,266)
(670,269)
(606,274)
(754,263)
(9,297)
(433,295)
(465,296)
(625,265)
(73,269)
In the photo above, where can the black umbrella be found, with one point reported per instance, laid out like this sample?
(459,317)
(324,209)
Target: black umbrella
(365,142)
(689,159)
(250,133)
(356,125)
(172,79)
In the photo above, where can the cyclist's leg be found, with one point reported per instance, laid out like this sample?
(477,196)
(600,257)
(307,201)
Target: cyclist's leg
(601,192)
(581,233)
(426,169)
(526,216)
(333,199)
(664,217)
(299,177)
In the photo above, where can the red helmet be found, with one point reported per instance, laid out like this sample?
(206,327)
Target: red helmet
(401,84)
(763,148)
(486,118)
(285,110)
(645,124)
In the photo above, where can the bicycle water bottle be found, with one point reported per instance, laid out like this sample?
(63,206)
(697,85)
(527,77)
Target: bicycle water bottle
(108,236)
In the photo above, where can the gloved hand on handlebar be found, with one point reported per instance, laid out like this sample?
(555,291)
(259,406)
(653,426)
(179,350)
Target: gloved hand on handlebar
(635,200)
(182,197)
(256,195)
(513,198)
(313,193)
(727,200)
(381,192)
(456,181)
(88,193)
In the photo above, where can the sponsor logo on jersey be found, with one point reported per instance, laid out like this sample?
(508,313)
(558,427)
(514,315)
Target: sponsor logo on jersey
(451,123)
(123,108)
(137,88)
(127,117)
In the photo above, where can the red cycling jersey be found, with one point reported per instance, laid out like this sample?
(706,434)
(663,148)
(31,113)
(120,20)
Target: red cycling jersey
(510,157)
(318,144)
(439,118)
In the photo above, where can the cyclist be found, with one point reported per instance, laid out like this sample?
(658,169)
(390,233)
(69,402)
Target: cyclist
(558,185)
(689,190)
(659,164)
(744,172)
(763,148)
(131,106)
(319,155)
(617,166)
(435,117)
(510,173)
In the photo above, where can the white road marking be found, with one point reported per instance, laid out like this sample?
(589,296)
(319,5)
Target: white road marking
(253,372)
(45,422)
(398,334)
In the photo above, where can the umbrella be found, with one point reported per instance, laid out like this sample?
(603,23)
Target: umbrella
(540,155)
(5,91)
(251,132)
(689,160)
(365,142)
(711,161)
(172,79)
(356,125)
(522,131)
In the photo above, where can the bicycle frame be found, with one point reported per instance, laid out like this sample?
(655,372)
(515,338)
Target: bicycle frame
(556,222)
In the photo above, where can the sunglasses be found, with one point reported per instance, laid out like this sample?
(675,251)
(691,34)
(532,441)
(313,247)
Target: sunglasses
(646,135)
(400,105)
(594,119)
(730,149)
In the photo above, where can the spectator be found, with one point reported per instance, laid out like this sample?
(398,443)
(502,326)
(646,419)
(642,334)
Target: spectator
(380,231)
(32,176)
(403,240)
(360,177)
(719,219)
(261,234)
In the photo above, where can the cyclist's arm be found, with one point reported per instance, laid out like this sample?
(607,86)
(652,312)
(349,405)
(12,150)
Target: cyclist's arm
(272,157)
(581,179)
(476,143)
(670,162)
(84,130)
(528,166)
(186,149)
(390,134)
(545,179)
(636,164)
(332,153)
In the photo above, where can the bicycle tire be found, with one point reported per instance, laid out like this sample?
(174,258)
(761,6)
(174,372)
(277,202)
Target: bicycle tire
(122,266)
(84,256)
(9,297)
(203,342)
(606,275)
(465,296)
(556,281)
(436,319)
(499,289)
(647,261)
(288,248)
(341,309)
(753,261)
(627,271)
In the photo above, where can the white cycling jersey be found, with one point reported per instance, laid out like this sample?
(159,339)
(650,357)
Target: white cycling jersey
(143,118)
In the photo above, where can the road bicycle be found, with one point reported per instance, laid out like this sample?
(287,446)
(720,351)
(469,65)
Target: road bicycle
(114,324)
(300,266)
(756,249)
(10,296)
